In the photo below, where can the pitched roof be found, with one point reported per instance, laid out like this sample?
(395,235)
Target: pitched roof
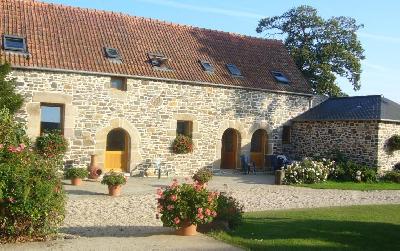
(71,38)
(373,107)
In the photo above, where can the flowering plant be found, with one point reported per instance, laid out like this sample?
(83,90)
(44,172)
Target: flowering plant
(182,144)
(181,204)
(114,179)
(308,171)
(203,175)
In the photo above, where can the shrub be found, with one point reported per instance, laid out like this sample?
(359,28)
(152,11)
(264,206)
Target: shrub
(114,179)
(186,204)
(52,144)
(31,194)
(307,171)
(11,132)
(392,176)
(393,143)
(229,210)
(9,99)
(203,175)
(347,171)
(73,173)
(182,144)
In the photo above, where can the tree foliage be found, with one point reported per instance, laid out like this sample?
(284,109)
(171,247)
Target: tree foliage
(322,48)
(8,97)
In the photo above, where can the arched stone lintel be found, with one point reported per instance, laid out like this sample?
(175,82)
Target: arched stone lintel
(101,141)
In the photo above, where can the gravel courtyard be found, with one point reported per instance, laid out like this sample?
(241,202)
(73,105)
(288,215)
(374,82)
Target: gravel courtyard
(93,217)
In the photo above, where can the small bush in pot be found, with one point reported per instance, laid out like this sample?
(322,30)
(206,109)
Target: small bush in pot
(76,175)
(182,144)
(203,175)
(114,181)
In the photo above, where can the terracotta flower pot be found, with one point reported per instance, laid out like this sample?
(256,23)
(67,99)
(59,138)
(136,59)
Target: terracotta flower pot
(94,169)
(76,181)
(114,190)
(187,230)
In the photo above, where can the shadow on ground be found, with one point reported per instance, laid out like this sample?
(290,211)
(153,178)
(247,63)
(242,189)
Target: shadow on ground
(116,231)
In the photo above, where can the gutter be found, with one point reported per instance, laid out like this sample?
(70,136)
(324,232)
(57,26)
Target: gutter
(157,79)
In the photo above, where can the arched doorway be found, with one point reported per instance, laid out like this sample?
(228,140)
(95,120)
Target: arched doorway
(117,150)
(230,149)
(259,148)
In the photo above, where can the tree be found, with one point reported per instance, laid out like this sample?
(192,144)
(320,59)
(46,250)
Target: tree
(322,49)
(8,97)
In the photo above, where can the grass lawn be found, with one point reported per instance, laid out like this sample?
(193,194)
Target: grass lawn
(353,185)
(374,227)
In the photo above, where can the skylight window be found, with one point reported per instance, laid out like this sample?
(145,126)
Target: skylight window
(14,43)
(207,67)
(280,77)
(233,70)
(111,53)
(158,60)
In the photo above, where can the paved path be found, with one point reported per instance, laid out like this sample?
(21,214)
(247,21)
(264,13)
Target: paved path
(102,220)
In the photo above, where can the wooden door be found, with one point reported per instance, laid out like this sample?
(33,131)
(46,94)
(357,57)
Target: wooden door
(230,149)
(259,148)
(116,158)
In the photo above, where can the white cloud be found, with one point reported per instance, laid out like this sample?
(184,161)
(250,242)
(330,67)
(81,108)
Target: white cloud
(379,37)
(220,11)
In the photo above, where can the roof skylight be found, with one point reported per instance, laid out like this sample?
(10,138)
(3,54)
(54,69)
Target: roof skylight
(207,67)
(280,77)
(111,53)
(233,70)
(14,43)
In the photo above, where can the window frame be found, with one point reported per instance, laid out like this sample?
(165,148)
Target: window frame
(161,59)
(15,49)
(282,78)
(124,84)
(62,115)
(235,68)
(110,56)
(286,134)
(203,64)
(190,128)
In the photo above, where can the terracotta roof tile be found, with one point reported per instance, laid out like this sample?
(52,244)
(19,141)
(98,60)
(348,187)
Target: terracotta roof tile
(72,38)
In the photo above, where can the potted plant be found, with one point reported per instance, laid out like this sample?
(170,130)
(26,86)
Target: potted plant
(182,144)
(184,206)
(76,175)
(114,181)
(203,175)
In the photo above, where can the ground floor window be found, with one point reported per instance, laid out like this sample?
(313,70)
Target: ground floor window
(184,127)
(51,117)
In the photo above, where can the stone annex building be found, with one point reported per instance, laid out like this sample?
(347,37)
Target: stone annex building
(123,87)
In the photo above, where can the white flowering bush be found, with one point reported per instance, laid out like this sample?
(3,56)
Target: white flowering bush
(308,171)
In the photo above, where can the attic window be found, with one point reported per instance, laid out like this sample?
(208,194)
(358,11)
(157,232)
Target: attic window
(280,77)
(14,43)
(207,67)
(158,60)
(233,70)
(111,53)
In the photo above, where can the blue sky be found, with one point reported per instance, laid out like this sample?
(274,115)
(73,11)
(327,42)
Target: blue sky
(380,36)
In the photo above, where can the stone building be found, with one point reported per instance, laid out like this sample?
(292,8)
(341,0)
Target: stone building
(122,87)
(358,127)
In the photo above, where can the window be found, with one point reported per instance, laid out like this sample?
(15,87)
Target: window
(280,77)
(14,43)
(158,60)
(207,67)
(111,53)
(233,70)
(184,128)
(51,117)
(286,134)
(118,83)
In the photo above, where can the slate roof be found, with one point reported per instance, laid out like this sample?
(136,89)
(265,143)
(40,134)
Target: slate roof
(373,107)
(71,38)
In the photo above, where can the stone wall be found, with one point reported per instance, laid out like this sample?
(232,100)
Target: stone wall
(358,140)
(387,159)
(148,111)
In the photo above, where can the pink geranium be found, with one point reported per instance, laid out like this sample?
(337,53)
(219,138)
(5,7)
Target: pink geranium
(1,146)
(200,216)
(170,207)
(213,214)
(207,212)
(200,210)
(177,220)
(174,197)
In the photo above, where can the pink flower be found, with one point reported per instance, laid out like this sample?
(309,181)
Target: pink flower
(22,146)
(1,146)
(200,210)
(18,149)
(208,212)
(159,191)
(177,220)
(213,213)
(170,207)
(174,197)
(200,216)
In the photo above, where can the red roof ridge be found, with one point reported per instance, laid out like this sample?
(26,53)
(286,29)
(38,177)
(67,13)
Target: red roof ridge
(155,20)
